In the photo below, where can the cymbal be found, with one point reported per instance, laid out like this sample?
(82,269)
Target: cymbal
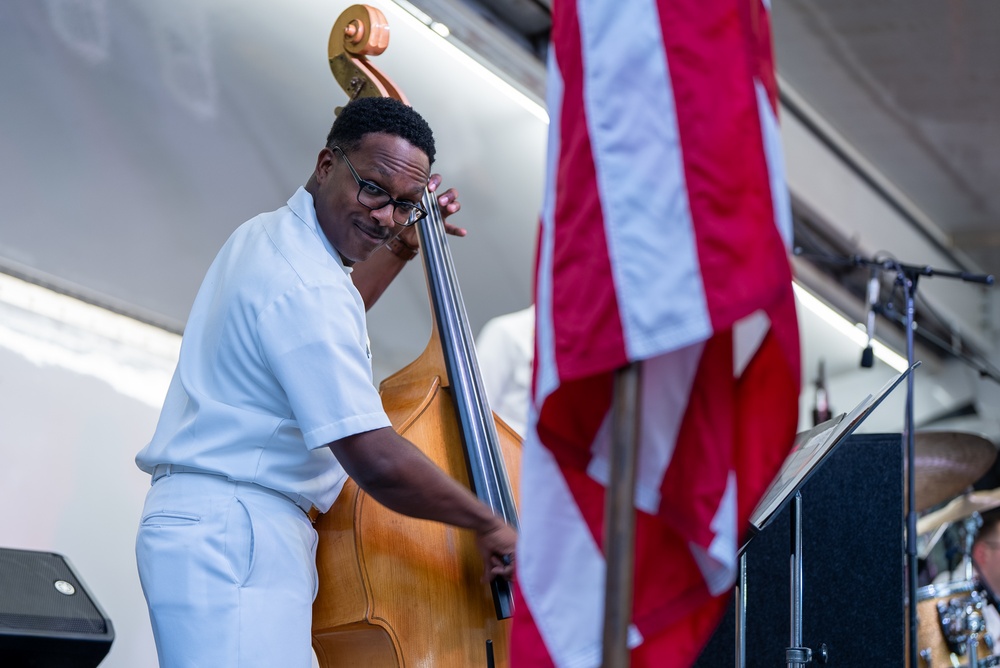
(948,462)
(959,508)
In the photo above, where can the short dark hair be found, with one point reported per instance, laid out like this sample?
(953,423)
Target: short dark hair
(365,115)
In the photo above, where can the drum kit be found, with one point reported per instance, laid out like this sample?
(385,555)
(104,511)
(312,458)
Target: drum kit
(952,628)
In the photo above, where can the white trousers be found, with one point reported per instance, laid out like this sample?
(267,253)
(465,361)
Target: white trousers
(229,574)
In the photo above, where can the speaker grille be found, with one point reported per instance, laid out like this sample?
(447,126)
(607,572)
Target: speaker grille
(47,623)
(30,600)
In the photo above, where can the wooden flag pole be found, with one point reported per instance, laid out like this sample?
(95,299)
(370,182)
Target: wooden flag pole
(619,516)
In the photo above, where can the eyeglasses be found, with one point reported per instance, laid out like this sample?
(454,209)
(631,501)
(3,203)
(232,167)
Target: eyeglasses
(375,197)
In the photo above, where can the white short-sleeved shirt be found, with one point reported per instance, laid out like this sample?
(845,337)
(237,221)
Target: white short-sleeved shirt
(274,363)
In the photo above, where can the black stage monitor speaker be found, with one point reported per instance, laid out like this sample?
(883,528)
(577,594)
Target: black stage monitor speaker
(854,603)
(47,619)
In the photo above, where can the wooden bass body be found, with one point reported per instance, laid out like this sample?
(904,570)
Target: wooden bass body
(396,591)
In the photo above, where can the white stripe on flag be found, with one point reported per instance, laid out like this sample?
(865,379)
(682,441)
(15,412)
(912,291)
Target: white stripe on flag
(775,164)
(640,174)
(718,563)
(561,570)
(666,386)
(748,334)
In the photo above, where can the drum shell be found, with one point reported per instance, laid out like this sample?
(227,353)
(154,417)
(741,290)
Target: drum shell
(932,646)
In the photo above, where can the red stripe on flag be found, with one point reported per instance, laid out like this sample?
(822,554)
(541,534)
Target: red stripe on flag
(699,469)
(680,643)
(668,581)
(587,326)
(761,48)
(766,393)
(571,416)
(526,645)
(724,161)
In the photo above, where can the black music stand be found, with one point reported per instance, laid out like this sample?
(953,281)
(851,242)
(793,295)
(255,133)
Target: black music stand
(810,450)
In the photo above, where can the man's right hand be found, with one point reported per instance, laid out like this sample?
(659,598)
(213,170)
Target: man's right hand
(497,547)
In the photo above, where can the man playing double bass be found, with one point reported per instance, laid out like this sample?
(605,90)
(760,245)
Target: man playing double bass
(272,406)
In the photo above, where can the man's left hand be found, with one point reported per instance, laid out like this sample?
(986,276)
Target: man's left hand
(448,201)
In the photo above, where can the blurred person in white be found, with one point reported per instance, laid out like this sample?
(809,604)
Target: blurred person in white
(505,347)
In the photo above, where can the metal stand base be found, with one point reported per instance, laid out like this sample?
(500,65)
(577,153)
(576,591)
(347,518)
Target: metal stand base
(797,656)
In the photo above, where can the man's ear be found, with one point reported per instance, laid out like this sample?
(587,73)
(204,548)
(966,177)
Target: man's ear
(324,164)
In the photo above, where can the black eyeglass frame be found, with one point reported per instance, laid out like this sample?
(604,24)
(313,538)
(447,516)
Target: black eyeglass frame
(374,190)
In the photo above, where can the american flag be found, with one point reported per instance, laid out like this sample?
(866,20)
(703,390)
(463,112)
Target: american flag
(664,239)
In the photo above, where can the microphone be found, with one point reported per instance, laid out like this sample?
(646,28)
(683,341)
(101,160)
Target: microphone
(821,399)
(874,287)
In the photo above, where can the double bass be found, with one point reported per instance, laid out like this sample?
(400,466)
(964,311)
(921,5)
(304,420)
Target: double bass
(396,591)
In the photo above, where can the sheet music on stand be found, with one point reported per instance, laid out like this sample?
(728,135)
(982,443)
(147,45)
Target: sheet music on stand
(811,448)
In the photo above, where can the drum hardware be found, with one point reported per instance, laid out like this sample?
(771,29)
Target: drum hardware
(952,631)
(927,542)
(959,508)
(970,528)
(962,624)
(975,626)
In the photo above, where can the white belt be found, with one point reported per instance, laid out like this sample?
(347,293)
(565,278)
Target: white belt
(161,470)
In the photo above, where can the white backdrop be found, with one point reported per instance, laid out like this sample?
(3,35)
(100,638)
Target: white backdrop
(79,395)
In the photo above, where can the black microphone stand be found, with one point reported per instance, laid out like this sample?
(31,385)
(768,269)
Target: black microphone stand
(906,277)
